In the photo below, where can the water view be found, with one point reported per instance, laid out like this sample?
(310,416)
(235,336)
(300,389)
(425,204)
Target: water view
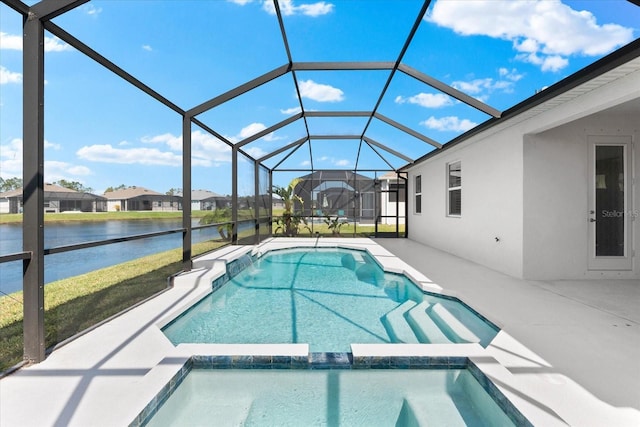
(68,264)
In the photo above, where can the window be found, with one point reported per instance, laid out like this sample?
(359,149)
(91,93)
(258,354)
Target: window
(418,191)
(396,193)
(454,189)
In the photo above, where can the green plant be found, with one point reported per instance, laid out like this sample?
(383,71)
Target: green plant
(289,222)
(221,217)
(334,224)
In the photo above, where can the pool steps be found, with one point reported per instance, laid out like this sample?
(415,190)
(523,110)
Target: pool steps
(396,325)
(412,322)
(451,326)
(424,326)
(429,410)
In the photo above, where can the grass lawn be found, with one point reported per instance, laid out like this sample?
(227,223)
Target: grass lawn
(347,230)
(76,303)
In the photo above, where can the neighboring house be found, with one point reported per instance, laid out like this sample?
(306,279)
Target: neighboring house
(393,202)
(337,192)
(141,199)
(276,202)
(56,199)
(205,200)
(549,191)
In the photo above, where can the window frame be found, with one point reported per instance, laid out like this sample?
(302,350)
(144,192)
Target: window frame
(454,188)
(417,192)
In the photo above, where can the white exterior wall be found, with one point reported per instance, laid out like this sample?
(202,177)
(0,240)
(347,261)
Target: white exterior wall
(111,205)
(4,205)
(557,174)
(491,202)
(526,182)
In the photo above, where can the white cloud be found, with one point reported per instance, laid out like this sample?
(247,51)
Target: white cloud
(11,163)
(316,9)
(147,47)
(255,152)
(91,10)
(173,142)
(473,86)
(546,63)
(305,163)
(240,2)
(51,44)
(427,100)
(54,44)
(251,129)
(55,171)
(291,111)
(7,76)
(10,42)
(106,153)
(537,29)
(333,161)
(510,74)
(449,123)
(11,158)
(51,145)
(482,88)
(288,8)
(320,92)
(206,149)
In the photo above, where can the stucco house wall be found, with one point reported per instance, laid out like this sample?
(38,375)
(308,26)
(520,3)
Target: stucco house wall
(557,172)
(525,185)
(491,202)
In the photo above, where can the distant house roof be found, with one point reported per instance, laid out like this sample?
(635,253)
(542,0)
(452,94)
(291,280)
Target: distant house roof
(389,175)
(334,175)
(54,191)
(199,195)
(130,193)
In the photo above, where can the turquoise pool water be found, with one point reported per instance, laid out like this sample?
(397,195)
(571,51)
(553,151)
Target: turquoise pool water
(328,298)
(371,397)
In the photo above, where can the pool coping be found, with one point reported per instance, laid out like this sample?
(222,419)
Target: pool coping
(330,361)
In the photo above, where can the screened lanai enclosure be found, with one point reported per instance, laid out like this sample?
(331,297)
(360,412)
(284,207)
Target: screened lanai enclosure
(238,97)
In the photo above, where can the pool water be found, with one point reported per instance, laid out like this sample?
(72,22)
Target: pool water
(328,298)
(371,397)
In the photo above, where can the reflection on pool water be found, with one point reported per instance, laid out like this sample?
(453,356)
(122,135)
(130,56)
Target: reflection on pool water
(328,298)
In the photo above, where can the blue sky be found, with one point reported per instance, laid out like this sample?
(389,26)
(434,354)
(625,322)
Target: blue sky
(102,132)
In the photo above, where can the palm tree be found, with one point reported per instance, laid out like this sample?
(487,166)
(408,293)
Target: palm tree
(289,221)
(222,218)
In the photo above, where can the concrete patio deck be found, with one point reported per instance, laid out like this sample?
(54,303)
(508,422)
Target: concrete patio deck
(588,330)
(568,352)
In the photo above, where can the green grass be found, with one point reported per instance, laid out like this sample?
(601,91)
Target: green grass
(346,230)
(76,303)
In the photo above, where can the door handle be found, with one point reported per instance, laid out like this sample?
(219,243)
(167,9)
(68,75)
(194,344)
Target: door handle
(592,220)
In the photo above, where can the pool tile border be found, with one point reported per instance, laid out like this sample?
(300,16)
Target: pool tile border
(327,361)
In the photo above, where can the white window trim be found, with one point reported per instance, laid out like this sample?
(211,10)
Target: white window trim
(450,189)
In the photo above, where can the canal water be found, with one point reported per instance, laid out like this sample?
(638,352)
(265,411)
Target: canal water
(68,264)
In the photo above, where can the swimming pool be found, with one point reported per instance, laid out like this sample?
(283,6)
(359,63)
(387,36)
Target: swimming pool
(456,394)
(329,298)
